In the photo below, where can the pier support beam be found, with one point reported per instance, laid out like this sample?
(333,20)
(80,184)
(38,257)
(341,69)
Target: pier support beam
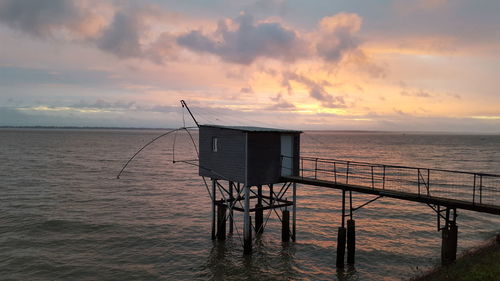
(214,184)
(247,227)
(285,226)
(341,237)
(341,247)
(294,210)
(259,213)
(449,244)
(221,222)
(231,213)
(351,241)
(259,219)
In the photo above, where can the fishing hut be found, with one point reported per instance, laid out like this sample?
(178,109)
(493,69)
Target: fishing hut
(248,166)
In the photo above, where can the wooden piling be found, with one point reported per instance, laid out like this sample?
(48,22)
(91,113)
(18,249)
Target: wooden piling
(351,241)
(214,184)
(221,222)
(259,213)
(449,244)
(259,219)
(285,226)
(341,239)
(247,243)
(247,228)
(231,213)
(294,210)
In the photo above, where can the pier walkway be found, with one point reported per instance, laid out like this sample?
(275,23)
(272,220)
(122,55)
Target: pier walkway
(452,189)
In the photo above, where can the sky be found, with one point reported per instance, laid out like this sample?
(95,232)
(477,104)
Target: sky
(422,65)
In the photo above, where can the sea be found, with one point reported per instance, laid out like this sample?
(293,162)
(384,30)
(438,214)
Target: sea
(64,215)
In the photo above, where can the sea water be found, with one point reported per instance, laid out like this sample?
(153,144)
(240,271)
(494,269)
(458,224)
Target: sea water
(65,216)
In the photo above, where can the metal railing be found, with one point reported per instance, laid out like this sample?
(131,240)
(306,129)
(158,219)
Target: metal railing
(475,188)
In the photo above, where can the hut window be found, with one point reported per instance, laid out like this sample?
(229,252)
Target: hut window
(215,144)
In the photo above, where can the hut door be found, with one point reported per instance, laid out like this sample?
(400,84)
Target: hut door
(286,155)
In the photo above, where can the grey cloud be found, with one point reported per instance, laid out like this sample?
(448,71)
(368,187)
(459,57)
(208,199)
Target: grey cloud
(416,93)
(164,49)
(248,42)
(101,104)
(337,36)
(281,104)
(121,37)
(316,89)
(38,17)
(246,90)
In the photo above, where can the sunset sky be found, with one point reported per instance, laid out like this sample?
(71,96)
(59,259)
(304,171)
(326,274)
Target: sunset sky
(427,65)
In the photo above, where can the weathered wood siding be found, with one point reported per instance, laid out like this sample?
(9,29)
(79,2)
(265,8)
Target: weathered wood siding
(228,163)
(264,151)
(262,163)
(296,154)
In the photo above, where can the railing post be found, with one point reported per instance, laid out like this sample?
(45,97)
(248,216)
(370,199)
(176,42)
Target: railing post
(383,179)
(428,182)
(316,168)
(480,189)
(373,181)
(302,164)
(347,174)
(418,180)
(335,171)
(474,191)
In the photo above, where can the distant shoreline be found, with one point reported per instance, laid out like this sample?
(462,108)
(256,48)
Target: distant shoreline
(305,130)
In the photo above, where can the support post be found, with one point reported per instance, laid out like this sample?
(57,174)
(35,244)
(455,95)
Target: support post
(221,222)
(351,234)
(285,226)
(231,213)
(247,228)
(341,247)
(259,213)
(351,241)
(214,184)
(449,244)
(341,237)
(259,219)
(294,210)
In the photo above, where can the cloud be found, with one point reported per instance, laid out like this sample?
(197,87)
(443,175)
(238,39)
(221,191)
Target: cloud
(337,36)
(247,90)
(45,18)
(416,93)
(119,30)
(122,36)
(316,89)
(163,49)
(281,104)
(243,41)
(101,104)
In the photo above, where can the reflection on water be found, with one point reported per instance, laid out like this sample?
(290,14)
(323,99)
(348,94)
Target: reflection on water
(64,216)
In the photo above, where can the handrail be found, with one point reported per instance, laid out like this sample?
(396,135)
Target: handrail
(420,181)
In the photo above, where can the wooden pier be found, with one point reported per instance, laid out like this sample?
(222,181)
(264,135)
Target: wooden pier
(444,191)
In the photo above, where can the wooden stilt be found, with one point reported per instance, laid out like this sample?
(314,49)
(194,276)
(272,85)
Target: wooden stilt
(285,226)
(351,241)
(247,230)
(221,222)
(214,184)
(294,210)
(231,213)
